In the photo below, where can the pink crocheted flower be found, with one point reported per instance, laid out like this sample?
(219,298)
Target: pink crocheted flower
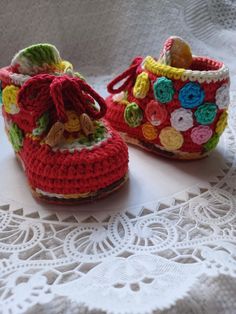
(201,134)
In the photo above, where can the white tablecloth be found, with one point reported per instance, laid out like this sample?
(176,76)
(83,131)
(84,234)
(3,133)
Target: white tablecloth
(166,242)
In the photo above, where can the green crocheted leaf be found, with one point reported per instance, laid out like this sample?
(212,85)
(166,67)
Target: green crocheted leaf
(36,58)
(16,137)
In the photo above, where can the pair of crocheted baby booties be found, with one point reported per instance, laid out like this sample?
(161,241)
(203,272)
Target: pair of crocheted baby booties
(174,105)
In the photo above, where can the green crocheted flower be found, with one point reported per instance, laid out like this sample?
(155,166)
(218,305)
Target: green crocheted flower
(163,89)
(16,137)
(42,124)
(206,113)
(133,115)
(212,143)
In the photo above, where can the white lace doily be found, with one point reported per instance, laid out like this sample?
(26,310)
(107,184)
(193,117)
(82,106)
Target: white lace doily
(114,260)
(166,242)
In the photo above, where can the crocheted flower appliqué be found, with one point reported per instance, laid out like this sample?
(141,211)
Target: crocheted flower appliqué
(16,137)
(212,143)
(163,90)
(222,123)
(201,134)
(191,95)
(182,119)
(42,124)
(223,96)
(149,131)
(133,115)
(141,86)
(171,139)
(155,113)
(206,113)
(9,99)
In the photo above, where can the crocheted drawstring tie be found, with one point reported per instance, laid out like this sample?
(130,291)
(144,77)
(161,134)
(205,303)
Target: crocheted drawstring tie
(44,91)
(128,74)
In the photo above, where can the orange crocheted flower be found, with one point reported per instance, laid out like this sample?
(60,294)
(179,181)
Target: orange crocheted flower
(149,132)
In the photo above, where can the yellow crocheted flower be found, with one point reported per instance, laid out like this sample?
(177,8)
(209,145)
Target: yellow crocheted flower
(9,99)
(73,123)
(222,123)
(141,86)
(171,139)
(149,132)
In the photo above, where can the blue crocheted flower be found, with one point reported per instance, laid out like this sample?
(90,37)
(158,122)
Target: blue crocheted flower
(163,89)
(191,95)
(206,113)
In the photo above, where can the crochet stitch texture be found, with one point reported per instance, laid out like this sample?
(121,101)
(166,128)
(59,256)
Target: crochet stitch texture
(182,112)
(53,121)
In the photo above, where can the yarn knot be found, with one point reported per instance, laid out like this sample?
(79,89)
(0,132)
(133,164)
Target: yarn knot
(45,91)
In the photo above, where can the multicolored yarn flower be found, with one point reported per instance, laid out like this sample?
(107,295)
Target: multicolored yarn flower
(9,99)
(201,134)
(171,139)
(222,123)
(149,131)
(181,119)
(141,86)
(223,96)
(16,137)
(206,113)
(191,95)
(42,124)
(163,89)
(155,113)
(212,143)
(133,115)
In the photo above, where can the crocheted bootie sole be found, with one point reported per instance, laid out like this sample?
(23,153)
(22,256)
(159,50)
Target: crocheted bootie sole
(158,150)
(74,199)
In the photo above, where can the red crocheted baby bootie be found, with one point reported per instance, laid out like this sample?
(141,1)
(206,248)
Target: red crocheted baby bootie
(53,120)
(175,106)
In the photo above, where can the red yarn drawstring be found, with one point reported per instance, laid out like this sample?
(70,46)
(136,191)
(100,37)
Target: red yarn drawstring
(44,91)
(129,74)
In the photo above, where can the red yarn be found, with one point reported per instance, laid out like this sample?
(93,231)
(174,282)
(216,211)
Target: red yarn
(65,172)
(115,113)
(80,172)
(45,91)
(130,74)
